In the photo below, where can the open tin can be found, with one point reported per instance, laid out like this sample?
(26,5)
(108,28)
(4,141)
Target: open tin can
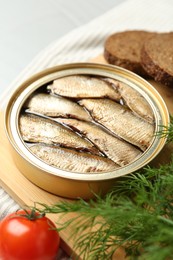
(73,184)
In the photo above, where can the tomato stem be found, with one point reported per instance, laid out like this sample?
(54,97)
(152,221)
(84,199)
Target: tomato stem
(31,214)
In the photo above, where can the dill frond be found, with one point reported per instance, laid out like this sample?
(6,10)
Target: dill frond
(167,131)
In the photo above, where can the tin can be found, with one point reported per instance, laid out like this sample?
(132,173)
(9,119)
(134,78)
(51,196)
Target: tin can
(71,184)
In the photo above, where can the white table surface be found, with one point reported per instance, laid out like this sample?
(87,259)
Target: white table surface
(28,26)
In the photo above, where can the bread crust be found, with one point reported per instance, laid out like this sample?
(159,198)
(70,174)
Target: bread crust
(157,73)
(123,49)
(152,64)
(126,64)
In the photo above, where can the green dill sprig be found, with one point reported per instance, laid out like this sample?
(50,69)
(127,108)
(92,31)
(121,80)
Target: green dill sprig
(137,214)
(167,131)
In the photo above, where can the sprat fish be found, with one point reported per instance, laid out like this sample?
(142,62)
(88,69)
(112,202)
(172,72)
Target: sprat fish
(81,86)
(120,121)
(55,106)
(71,160)
(117,150)
(40,130)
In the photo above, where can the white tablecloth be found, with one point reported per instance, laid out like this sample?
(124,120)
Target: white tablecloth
(28,26)
(87,41)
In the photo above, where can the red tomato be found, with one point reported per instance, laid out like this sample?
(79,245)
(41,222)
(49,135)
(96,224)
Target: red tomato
(24,239)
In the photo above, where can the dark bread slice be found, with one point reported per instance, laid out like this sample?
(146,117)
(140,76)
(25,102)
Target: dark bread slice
(157,58)
(123,49)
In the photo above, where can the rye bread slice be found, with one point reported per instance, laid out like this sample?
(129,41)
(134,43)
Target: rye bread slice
(157,58)
(123,49)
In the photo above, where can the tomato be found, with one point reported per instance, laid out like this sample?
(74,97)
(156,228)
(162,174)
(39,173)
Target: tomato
(27,235)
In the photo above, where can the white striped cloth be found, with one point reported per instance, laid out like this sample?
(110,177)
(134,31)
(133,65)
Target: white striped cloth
(87,42)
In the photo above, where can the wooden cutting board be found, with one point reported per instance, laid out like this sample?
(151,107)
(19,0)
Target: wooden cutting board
(26,193)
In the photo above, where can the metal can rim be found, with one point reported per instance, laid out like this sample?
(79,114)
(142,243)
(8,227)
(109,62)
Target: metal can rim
(24,90)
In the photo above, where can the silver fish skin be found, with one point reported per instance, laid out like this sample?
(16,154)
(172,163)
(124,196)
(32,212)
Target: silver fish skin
(117,150)
(134,100)
(36,129)
(120,121)
(80,86)
(71,160)
(55,106)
